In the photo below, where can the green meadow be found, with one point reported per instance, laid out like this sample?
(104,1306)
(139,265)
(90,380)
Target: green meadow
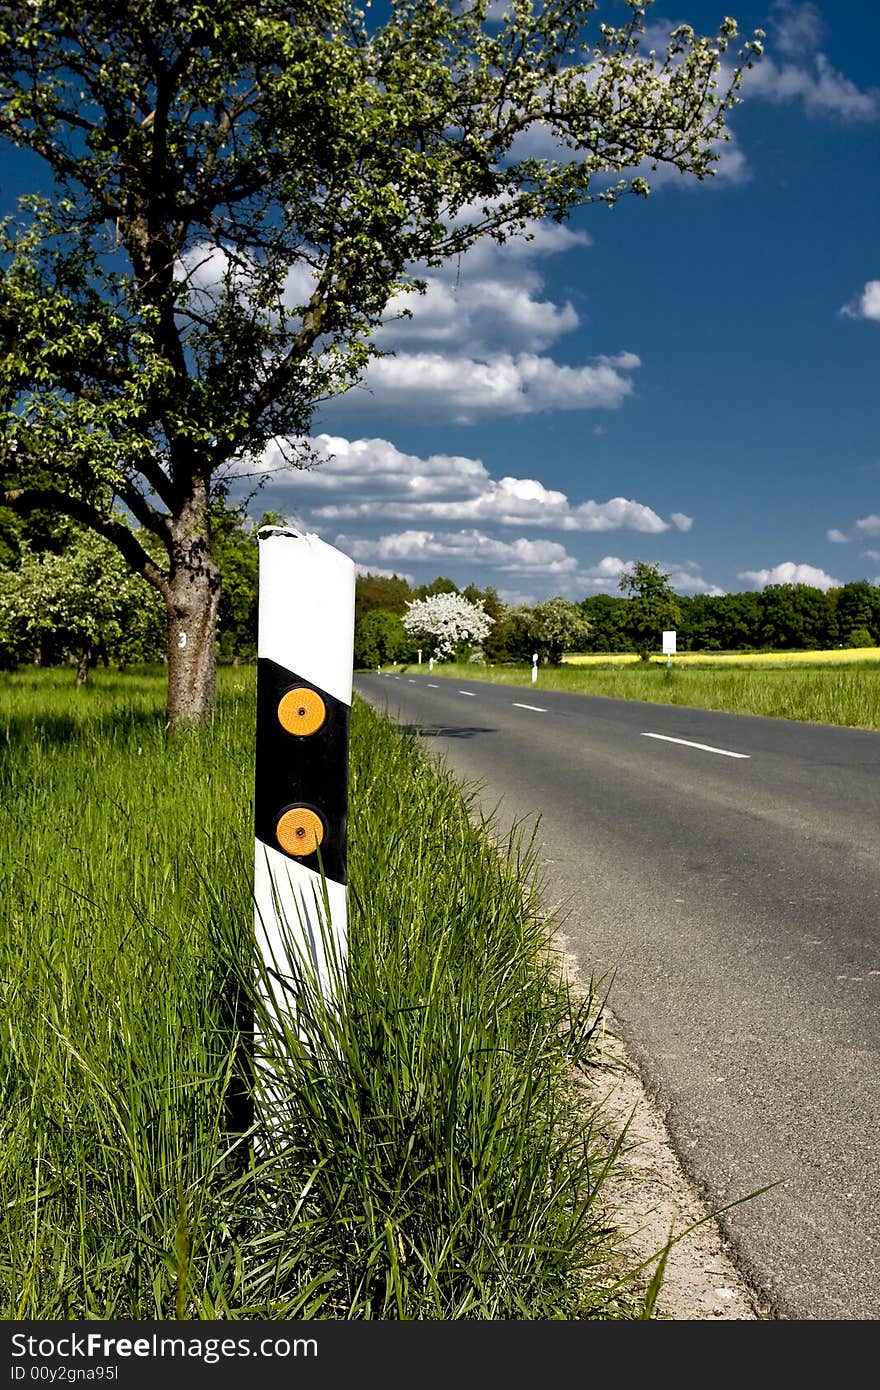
(430,1152)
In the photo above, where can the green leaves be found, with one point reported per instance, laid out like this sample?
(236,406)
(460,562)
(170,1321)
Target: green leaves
(652,608)
(81,601)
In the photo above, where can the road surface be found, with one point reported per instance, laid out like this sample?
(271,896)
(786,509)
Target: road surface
(726,870)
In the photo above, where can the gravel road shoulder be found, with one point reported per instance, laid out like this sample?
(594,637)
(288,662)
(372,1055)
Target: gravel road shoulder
(649,1198)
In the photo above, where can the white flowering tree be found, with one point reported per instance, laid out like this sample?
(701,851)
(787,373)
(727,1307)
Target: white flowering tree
(447,621)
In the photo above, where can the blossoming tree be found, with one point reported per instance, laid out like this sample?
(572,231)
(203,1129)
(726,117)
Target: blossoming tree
(447,620)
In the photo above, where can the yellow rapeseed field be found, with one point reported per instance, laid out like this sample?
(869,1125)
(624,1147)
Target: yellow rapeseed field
(740,658)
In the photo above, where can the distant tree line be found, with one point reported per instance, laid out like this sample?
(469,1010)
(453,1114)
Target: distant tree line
(782,617)
(65,596)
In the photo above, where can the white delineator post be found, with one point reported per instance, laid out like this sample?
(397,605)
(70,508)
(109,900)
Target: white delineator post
(304,676)
(534,667)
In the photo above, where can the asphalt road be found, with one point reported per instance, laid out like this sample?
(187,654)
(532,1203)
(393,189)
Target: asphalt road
(736,899)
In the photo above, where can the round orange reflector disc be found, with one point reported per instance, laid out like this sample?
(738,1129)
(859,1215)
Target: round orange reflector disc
(301,711)
(299,831)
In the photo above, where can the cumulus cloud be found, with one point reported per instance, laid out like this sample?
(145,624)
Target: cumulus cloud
(682,521)
(465,389)
(474,345)
(377,481)
(866,305)
(789,573)
(490,297)
(836,537)
(471,547)
(384,574)
(868,525)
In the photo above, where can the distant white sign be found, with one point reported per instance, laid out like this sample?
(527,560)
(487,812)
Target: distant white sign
(669,644)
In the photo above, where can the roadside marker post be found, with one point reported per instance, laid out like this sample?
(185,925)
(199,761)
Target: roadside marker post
(669,646)
(534,667)
(304,678)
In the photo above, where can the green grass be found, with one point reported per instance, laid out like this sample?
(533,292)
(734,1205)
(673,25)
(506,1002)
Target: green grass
(429,1156)
(844,693)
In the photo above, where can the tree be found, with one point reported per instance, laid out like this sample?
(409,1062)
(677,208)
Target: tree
(652,607)
(440,585)
(448,621)
(85,601)
(380,637)
(740,621)
(605,615)
(379,591)
(237,191)
(796,617)
(495,641)
(550,628)
(857,610)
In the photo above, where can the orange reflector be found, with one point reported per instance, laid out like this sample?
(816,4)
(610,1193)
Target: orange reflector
(301,711)
(299,831)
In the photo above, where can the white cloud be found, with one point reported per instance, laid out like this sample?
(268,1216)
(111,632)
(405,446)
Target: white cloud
(823,90)
(681,520)
(475,343)
(487,299)
(521,556)
(871,555)
(687,579)
(866,305)
(604,576)
(836,537)
(384,574)
(789,573)
(868,525)
(376,480)
(797,27)
(375,469)
(464,389)
(510,502)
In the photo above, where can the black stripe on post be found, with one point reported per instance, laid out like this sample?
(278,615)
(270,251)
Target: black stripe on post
(301,770)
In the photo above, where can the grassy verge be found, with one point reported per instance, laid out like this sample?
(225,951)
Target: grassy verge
(434,1164)
(847,693)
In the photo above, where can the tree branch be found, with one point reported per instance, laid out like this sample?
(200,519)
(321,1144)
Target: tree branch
(112,530)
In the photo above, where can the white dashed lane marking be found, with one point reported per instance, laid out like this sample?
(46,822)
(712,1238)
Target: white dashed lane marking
(536,708)
(704,747)
(433,687)
(468,692)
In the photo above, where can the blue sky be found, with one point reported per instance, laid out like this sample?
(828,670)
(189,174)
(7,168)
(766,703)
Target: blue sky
(689,380)
(709,357)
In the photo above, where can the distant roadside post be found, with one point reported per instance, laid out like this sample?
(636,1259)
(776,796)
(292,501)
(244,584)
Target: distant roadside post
(304,676)
(534,667)
(669,646)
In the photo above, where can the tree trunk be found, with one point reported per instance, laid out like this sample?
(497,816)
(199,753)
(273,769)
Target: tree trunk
(192,600)
(82,667)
